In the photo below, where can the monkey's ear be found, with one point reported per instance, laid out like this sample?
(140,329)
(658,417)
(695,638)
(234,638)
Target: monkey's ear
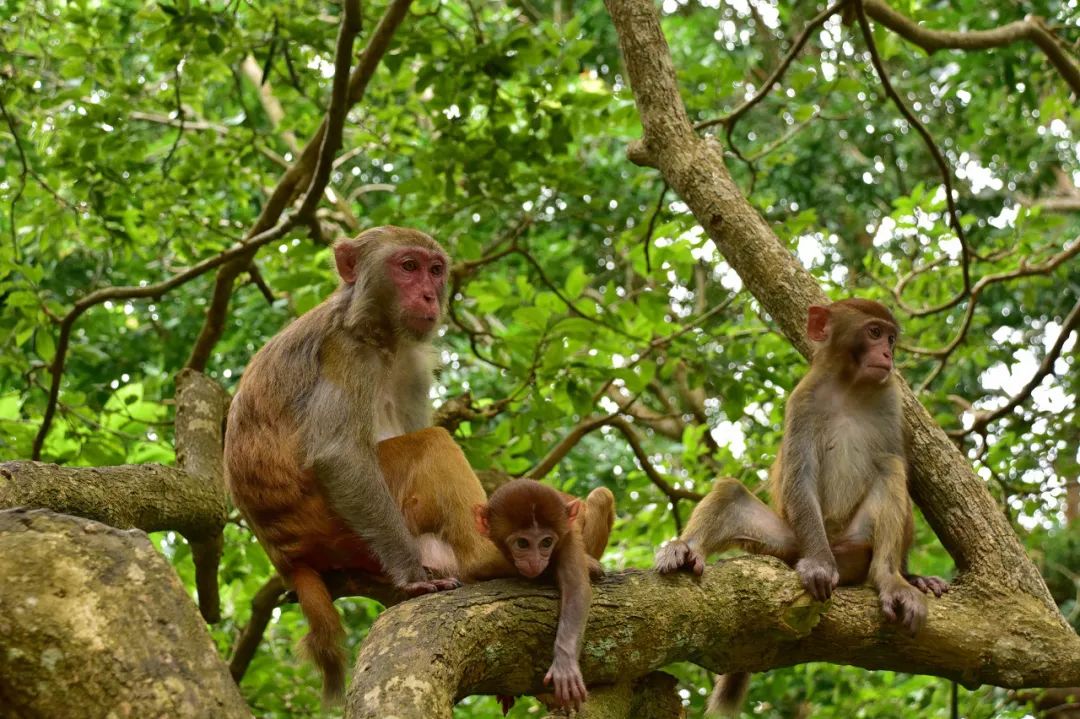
(573,507)
(345,257)
(480,514)
(817,325)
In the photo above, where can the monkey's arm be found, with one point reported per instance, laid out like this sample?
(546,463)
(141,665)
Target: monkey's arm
(575,592)
(799,474)
(347,466)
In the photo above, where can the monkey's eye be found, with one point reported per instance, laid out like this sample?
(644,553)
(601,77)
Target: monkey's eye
(410,265)
(437,270)
(546,542)
(521,543)
(875,332)
(892,340)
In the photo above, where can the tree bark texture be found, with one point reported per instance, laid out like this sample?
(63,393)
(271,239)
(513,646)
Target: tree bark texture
(744,614)
(201,406)
(96,623)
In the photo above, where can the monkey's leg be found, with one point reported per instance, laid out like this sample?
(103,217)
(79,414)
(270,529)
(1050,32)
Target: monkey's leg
(926,585)
(437,489)
(598,520)
(729,516)
(889,508)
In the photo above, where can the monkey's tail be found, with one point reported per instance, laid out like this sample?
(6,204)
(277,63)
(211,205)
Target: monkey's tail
(323,644)
(728,695)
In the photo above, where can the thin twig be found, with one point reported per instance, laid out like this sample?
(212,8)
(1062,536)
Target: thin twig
(733,117)
(939,159)
(132,292)
(1046,367)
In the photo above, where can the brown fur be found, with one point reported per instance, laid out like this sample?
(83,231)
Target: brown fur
(300,447)
(525,505)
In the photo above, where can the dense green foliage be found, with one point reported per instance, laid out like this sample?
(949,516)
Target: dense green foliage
(134,144)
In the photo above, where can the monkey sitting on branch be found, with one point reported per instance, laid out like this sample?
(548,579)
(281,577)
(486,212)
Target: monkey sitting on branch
(301,454)
(545,534)
(839,484)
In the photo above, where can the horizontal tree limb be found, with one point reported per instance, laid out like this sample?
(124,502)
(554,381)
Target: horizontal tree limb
(150,497)
(744,614)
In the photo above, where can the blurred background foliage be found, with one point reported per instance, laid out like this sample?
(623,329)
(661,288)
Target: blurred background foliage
(139,138)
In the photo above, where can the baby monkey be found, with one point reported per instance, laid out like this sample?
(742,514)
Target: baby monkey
(839,484)
(546,534)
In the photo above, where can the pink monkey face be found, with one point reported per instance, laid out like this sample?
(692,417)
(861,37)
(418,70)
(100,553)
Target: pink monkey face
(420,277)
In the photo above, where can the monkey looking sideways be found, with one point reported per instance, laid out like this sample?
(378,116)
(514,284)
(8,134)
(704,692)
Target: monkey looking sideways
(839,484)
(545,534)
(300,445)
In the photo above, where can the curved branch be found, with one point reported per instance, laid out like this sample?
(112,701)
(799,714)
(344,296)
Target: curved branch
(98,297)
(584,427)
(729,120)
(1025,270)
(496,637)
(939,160)
(983,419)
(1030,28)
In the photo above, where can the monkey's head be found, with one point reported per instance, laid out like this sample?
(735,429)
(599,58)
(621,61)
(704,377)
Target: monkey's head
(397,275)
(526,520)
(855,336)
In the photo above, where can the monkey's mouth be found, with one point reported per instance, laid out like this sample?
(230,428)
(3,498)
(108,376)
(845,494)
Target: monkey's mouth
(422,323)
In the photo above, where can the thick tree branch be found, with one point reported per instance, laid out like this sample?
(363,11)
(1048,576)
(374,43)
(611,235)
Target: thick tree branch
(189,499)
(96,623)
(496,637)
(149,497)
(1031,29)
(200,419)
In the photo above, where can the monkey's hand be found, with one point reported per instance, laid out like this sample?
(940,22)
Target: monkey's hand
(904,604)
(676,555)
(430,586)
(819,576)
(926,585)
(569,686)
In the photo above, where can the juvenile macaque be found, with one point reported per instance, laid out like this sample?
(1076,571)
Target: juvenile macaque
(839,484)
(544,533)
(300,448)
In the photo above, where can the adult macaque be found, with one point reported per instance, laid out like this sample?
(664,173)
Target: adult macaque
(300,448)
(839,483)
(544,533)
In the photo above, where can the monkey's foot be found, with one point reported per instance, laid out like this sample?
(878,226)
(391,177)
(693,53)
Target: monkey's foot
(926,585)
(596,570)
(415,589)
(676,555)
(904,604)
(819,577)
(569,686)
